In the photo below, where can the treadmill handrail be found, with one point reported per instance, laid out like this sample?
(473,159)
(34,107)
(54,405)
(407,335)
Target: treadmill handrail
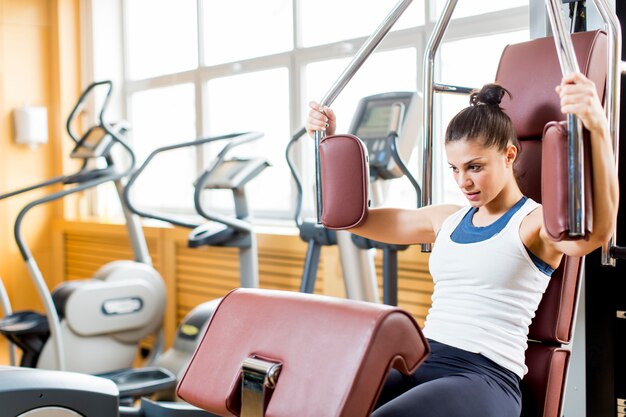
(295,175)
(244,138)
(52,181)
(81,103)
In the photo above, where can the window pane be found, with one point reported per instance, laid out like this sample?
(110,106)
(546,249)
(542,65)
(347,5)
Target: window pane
(161,37)
(257,101)
(326,21)
(476,7)
(382,72)
(164,116)
(252,28)
(467,67)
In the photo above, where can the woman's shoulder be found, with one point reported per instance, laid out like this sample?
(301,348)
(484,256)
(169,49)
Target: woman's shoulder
(439,213)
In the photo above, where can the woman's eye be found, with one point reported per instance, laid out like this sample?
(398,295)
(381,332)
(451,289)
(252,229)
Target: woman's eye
(474,168)
(454,169)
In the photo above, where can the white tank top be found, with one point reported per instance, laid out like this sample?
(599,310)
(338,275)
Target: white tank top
(486,293)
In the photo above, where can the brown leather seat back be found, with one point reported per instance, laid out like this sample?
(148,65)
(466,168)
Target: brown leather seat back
(530,71)
(335,353)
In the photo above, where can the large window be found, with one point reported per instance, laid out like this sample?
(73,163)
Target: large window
(193,68)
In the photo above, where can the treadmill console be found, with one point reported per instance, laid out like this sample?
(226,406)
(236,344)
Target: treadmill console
(371,124)
(96,142)
(234,173)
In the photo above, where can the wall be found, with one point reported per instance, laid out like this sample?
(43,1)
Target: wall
(193,276)
(39,65)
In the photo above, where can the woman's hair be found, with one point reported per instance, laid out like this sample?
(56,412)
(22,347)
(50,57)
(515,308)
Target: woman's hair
(484,119)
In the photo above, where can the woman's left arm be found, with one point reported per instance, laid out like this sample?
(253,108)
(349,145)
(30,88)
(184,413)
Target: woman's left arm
(578,96)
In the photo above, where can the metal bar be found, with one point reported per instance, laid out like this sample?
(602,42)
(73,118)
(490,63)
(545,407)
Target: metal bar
(35,272)
(390,276)
(575,165)
(51,181)
(452,89)
(5,304)
(612,95)
(245,137)
(257,376)
(309,275)
(428,109)
(362,54)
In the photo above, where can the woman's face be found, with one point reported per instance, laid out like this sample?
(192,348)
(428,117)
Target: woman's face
(482,173)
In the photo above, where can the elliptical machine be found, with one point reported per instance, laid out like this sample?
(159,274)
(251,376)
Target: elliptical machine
(223,173)
(379,121)
(94,325)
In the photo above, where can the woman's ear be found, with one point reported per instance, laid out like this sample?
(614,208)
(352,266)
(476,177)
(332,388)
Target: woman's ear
(510,154)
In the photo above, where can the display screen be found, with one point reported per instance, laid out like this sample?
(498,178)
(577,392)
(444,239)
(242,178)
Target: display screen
(375,121)
(93,138)
(227,170)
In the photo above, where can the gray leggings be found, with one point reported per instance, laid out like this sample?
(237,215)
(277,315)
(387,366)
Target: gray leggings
(452,383)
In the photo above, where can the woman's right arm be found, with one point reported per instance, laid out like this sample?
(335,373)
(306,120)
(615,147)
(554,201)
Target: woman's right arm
(404,226)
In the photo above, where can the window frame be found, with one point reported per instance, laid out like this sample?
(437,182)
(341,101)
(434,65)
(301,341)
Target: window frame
(507,20)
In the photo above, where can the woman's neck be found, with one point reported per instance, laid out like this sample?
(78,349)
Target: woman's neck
(507,198)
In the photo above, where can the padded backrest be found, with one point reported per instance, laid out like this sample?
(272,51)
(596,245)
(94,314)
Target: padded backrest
(530,71)
(335,353)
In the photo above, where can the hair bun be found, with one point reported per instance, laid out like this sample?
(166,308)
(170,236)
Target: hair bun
(490,94)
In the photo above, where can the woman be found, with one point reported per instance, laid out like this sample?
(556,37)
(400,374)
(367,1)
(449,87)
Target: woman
(491,261)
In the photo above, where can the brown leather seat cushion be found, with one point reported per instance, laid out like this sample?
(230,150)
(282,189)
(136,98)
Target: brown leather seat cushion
(335,353)
(544,383)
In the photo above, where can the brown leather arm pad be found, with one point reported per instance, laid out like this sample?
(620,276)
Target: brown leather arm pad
(554,182)
(345,181)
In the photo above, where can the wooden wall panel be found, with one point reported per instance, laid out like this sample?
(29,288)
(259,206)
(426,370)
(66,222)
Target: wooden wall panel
(87,249)
(197,275)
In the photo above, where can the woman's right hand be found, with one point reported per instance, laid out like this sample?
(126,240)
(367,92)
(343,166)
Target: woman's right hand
(320,118)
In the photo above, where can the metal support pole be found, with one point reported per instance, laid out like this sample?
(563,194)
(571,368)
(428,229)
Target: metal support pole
(612,94)
(575,165)
(428,109)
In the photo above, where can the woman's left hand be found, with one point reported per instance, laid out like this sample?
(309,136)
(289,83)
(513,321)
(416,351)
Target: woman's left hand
(579,96)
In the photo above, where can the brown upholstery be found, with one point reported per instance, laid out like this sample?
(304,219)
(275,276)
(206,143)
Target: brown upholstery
(335,353)
(345,179)
(542,389)
(530,71)
(554,171)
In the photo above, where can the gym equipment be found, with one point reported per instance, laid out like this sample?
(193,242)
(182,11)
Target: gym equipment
(224,172)
(255,359)
(93,325)
(547,360)
(378,122)
(388,138)
(547,356)
(45,393)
